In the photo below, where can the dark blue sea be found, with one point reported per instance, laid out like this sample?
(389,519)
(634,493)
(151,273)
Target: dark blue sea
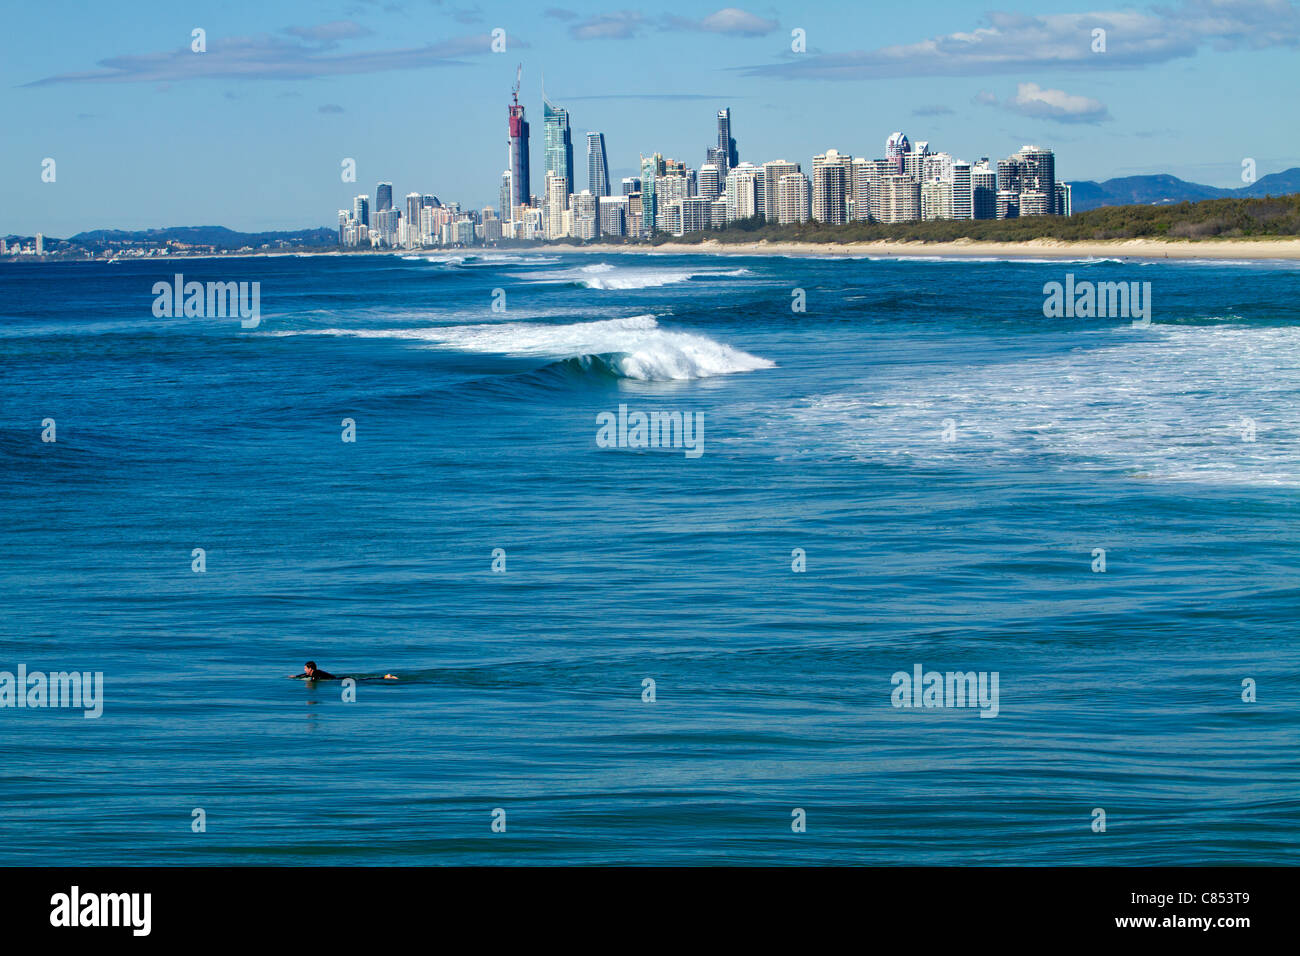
(919,470)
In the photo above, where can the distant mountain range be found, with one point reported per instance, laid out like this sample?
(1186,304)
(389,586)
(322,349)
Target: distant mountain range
(217,236)
(1153,190)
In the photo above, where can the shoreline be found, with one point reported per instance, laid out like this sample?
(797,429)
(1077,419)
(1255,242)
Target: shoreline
(1147,249)
(1242,250)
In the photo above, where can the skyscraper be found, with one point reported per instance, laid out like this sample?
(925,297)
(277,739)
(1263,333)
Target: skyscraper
(559,140)
(793,199)
(597,165)
(899,199)
(830,185)
(613,215)
(744,186)
(1064,199)
(772,173)
(556,205)
(383,197)
(726,142)
(520,188)
(586,216)
(963,196)
(651,168)
(361,210)
(412,220)
(1040,169)
(1038,189)
(896,147)
(710,181)
(984,191)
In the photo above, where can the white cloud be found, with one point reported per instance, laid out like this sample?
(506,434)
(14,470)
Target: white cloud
(609,26)
(1017,42)
(740,22)
(1032,100)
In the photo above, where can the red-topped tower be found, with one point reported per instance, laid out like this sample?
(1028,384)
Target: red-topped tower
(520,189)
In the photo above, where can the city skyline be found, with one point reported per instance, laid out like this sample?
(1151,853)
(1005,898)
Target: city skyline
(255,127)
(910,182)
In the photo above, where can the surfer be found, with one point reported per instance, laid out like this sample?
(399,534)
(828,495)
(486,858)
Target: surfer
(312,672)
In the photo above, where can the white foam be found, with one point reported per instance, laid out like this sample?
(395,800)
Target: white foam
(1165,403)
(643,350)
(603,275)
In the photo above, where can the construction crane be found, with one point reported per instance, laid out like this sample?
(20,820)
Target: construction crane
(519,76)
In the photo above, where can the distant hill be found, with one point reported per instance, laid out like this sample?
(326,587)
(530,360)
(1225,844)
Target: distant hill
(218,236)
(1163,188)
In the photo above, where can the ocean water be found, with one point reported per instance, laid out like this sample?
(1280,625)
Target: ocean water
(945,459)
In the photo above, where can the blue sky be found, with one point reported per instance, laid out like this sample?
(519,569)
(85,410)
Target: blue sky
(251,133)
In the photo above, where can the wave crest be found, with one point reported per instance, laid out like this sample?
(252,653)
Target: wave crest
(633,348)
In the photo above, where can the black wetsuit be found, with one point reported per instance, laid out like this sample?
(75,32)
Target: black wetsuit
(317,674)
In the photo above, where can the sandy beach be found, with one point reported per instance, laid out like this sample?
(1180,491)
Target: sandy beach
(1241,250)
(1238,249)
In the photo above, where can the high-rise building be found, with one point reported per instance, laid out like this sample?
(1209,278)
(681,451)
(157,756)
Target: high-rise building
(1035,202)
(772,173)
(743,186)
(586,224)
(858,188)
(631,185)
(505,196)
(936,199)
(718,213)
(40,244)
(896,147)
(671,187)
(613,215)
(669,219)
(597,165)
(1011,174)
(379,223)
(361,210)
(726,142)
(914,162)
(1040,174)
(412,239)
(635,221)
(383,197)
(710,181)
(962,196)
(898,199)
(520,188)
(1064,200)
(651,168)
(793,199)
(557,203)
(559,140)
(984,191)
(695,214)
(829,187)
(1008,201)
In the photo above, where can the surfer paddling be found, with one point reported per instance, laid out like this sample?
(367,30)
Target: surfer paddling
(312,672)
